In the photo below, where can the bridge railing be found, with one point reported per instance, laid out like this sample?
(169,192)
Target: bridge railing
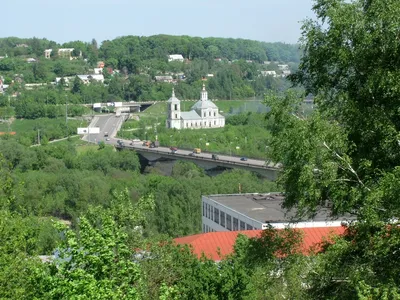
(199,158)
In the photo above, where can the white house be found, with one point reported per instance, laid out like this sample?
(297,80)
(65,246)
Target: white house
(268,73)
(175,57)
(87,78)
(203,114)
(164,78)
(283,67)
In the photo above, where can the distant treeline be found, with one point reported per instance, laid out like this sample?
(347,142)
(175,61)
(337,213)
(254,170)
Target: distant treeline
(159,47)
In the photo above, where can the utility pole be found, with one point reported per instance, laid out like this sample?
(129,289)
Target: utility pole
(66,113)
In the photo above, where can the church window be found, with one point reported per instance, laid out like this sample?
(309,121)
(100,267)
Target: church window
(209,113)
(176,106)
(209,124)
(204,115)
(215,122)
(195,124)
(176,116)
(215,114)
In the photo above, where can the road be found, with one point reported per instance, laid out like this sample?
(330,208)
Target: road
(225,158)
(106,123)
(111,124)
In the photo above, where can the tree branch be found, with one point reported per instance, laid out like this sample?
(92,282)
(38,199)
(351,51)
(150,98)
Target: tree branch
(349,167)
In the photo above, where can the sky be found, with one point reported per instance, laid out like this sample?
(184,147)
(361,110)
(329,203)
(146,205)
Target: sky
(70,20)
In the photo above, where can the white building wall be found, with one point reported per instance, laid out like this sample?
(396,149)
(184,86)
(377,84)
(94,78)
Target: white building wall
(210,221)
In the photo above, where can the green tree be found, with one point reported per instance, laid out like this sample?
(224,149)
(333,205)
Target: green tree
(76,86)
(346,152)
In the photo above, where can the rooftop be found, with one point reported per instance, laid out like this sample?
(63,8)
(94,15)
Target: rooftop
(267,208)
(216,245)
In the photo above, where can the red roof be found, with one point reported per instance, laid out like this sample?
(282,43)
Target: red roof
(209,243)
(10,133)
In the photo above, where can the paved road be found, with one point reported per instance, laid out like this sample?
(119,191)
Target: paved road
(227,158)
(106,123)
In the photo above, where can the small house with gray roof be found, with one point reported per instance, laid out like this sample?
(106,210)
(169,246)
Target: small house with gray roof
(203,114)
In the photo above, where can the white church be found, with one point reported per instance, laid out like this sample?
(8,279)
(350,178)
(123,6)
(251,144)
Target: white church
(204,114)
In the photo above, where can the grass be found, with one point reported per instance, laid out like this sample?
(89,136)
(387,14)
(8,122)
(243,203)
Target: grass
(25,125)
(83,148)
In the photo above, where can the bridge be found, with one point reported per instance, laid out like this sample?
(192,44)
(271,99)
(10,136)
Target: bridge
(110,124)
(205,160)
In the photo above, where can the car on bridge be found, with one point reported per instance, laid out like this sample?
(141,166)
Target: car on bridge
(173,149)
(243,158)
(214,157)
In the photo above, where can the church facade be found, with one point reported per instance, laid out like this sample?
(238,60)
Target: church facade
(203,114)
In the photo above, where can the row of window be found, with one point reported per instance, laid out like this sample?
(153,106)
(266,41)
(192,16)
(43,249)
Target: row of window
(209,114)
(199,124)
(207,228)
(223,219)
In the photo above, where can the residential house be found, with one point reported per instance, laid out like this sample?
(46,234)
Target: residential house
(47,53)
(86,79)
(164,78)
(62,52)
(98,70)
(65,52)
(283,67)
(175,57)
(268,73)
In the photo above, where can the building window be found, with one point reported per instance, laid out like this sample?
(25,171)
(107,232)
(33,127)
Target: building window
(228,222)
(222,217)
(187,125)
(204,228)
(176,106)
(209,124)
(242,225)
(215,122)
(204,115)
(176,116)
(216,215)
(215,114)
(204,209)
(235,224)
(209,113)
(249,227)
(210,212)
(195,124)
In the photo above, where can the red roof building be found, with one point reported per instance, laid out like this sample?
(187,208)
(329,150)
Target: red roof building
(8,132)
(213,242)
